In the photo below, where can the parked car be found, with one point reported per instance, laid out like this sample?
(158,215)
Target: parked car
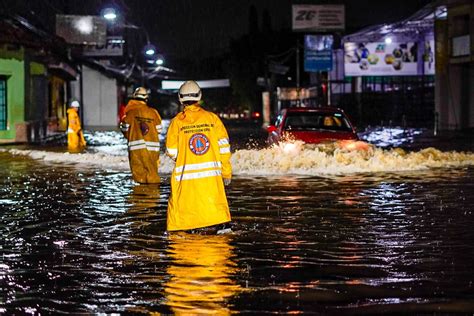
(311,125)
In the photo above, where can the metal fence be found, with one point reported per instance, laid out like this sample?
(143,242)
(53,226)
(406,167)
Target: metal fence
(395,101)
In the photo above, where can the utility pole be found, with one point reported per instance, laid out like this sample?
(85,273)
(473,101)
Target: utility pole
(329,86)
(297,72)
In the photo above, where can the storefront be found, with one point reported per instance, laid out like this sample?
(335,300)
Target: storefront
(385,74)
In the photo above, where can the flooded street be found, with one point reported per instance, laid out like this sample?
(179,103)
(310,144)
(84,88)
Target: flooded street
(315,230)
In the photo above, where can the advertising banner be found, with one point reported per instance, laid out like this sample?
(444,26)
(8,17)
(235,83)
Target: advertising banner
(380,59)
(318,53)
(318,18)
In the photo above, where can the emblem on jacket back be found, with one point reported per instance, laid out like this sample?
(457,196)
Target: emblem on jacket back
(199,144)
(144,128)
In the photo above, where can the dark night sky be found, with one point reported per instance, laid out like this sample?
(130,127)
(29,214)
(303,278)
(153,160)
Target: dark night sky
(205,27)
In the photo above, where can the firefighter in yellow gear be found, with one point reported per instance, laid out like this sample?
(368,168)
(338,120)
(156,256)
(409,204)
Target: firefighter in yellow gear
(141,126)
(198,142)
(75,136)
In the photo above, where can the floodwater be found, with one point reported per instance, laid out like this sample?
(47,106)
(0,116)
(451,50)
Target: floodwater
(315,230)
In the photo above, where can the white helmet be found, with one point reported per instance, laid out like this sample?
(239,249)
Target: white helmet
(140,93)
(75,104)
(189,91)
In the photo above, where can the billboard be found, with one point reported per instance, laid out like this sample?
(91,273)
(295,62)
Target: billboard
(318,18)
(113,47)
(82,29)
(380,59)
(318,53)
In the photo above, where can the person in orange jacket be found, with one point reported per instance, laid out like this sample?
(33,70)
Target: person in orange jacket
(75,136)
(141,126)
(198,142)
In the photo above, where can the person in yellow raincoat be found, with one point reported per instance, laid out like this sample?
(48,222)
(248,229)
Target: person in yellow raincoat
(75,136)
(198,142)
(141,125)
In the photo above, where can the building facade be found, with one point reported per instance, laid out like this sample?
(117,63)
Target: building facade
(454,97)
(34,83)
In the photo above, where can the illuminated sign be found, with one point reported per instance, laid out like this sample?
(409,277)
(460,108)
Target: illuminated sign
(381,59)
(318,52)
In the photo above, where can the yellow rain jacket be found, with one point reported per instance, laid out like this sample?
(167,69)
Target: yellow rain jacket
(198,142)
(75,137)
(141,125)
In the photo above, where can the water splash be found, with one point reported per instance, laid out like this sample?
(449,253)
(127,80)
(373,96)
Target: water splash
(117,160)
(287,158)
(339,158)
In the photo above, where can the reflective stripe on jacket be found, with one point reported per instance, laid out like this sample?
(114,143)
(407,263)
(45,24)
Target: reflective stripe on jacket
(141,125)
(198,142)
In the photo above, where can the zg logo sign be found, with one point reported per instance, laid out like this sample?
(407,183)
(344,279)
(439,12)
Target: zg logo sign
(305,15)
(318,18)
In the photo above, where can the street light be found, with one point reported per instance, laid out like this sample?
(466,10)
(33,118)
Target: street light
(159,60)
(150,59)
(109,14)
(149,49)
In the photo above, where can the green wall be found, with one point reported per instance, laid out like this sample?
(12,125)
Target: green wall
(13,67)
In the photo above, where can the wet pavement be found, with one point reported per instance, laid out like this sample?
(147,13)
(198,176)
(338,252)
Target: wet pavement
(314,231)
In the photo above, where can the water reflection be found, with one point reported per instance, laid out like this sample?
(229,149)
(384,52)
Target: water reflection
(200,274)
(387,136)
(142,201)
(80,239)
(146,219)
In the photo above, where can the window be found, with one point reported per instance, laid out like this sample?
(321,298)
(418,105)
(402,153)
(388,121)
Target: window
(316,121)
(461,46)
(3,103)
(278,120)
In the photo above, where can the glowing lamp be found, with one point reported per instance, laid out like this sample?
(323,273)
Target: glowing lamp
(109,14)
(160,60)
(150,51)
